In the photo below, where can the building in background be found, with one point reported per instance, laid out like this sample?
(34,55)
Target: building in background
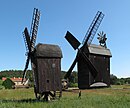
(18,82)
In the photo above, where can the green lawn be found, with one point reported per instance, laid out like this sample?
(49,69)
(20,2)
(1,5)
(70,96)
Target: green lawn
(114,97)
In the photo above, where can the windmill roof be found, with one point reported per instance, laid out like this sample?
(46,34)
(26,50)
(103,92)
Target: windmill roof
(48,50)
(97,49)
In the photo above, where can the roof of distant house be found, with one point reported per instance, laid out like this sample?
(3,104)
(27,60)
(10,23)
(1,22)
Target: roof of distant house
(14,79)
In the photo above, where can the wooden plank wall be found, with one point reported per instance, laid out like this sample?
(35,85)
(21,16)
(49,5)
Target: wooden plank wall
(49,74)
(102,64)
(83,74)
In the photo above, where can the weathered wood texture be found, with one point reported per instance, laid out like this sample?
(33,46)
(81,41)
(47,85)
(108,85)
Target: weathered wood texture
(100,58)
(83,73)
(102,64)
(48,75)
(47,70)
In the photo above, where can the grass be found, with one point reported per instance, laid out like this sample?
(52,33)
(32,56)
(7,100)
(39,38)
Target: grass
(114,97)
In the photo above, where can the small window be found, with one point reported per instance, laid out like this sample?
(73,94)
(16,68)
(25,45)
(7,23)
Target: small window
(47,81)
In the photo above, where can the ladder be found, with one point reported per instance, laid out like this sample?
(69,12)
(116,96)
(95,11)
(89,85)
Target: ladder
(26,45)
(93,28)
(34,27)
(26,37)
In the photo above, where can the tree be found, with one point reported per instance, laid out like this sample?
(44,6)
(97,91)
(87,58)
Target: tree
(8,84)
(113,79)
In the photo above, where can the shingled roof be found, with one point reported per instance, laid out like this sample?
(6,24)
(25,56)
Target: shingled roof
(97,49)
(48,50)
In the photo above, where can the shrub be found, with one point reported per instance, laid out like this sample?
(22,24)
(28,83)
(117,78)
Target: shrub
(1,87)
(73,84)
(8,84)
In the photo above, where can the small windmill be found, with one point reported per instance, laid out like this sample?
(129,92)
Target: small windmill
(102,39)
(85,67)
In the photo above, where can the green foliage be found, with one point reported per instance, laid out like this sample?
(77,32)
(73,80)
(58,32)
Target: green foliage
(113,79)
(118,81)
(1,82)
(73,84)
(73,77)
(8,84)
(1,87)
(11,73)
(127,80)
(63,74)
(15,73)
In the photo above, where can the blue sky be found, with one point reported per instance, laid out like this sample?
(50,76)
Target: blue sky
(57,17)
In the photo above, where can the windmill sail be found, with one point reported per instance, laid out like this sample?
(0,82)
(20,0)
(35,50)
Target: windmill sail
(92,29)
(26,37)
(72,40)
(30,43)
(34,27)
(86,42)
(71,67)
(26,67)
(91,67)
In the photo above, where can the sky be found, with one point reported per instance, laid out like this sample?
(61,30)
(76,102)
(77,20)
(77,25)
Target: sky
(58,17)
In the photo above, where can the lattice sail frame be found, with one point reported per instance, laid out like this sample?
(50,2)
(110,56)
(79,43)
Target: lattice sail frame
(93,28)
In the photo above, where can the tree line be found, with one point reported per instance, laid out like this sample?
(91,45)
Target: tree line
(15,73)
(73,78)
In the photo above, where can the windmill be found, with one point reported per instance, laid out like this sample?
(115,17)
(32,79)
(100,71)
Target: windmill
(45,62)
(102,39)
(85,67)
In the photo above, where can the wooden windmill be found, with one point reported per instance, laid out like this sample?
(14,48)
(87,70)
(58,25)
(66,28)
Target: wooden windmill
(45,62)
(89,70)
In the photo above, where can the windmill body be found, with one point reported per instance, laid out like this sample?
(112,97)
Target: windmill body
(47,69)
(100,58)
(47,59)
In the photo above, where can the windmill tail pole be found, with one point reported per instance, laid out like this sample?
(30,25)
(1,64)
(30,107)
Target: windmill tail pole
(22,80)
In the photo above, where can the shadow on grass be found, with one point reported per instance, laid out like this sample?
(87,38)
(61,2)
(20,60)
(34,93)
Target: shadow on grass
(21,101)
